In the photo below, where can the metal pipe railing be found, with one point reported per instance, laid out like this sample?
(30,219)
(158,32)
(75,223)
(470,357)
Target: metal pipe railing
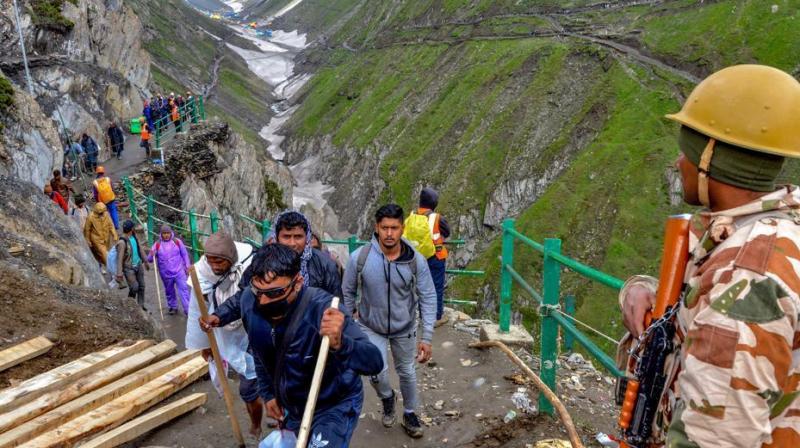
(549,301)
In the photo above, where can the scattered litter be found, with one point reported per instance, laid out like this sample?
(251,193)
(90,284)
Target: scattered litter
(510,415)
(523,402)
(438,405)
(447,344)
(479,382)
(606,440)
(453,413)
(553,443)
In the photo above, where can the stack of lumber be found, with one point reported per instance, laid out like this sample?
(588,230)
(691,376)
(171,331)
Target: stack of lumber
(95,400)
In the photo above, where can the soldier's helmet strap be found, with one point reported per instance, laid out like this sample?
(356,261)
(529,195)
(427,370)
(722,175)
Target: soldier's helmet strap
(702,173)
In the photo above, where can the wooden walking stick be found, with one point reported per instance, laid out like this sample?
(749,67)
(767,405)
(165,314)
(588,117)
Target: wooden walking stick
(212,339)
(158,290)
(316,382)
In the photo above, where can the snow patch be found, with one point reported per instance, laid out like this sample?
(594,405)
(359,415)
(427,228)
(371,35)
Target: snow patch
(288,8)
(308,189)
(273,67)
(291,39)
(235,5)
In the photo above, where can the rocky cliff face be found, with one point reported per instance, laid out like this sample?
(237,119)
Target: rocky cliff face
(29,145)
(214,169)
(84,74)
(41,236)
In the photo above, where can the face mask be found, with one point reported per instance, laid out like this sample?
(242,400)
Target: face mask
(274,309)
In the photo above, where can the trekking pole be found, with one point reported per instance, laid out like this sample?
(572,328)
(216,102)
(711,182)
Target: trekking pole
(158,290)
(212,339)
(316,382)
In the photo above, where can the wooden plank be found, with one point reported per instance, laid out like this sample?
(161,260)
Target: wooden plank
(57,378)
(122,409)
(92,400)
(146,422)
(24,351)
(85,385)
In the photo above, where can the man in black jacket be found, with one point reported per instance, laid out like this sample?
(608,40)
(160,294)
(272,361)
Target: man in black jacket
(116,141)
(292,229)
(285,322)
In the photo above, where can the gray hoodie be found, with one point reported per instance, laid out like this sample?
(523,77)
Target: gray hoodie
(387,291)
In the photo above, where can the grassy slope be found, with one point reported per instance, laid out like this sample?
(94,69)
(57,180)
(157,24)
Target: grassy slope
(609,205)
(183,54)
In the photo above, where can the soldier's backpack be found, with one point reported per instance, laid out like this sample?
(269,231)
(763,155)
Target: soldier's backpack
(418,232)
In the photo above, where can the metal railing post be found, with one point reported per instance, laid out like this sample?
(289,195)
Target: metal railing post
(352,244)
(202,109)
(193,235)
(265,225)
(194,109)
(126,183)
(549,332)
(151,208)
(214,221)
(506,282)
(569,308)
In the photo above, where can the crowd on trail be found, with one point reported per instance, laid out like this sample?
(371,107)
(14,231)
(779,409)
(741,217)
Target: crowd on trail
(270,307)
(81,153)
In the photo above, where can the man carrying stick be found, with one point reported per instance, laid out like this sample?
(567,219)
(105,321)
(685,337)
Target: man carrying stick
(285,322)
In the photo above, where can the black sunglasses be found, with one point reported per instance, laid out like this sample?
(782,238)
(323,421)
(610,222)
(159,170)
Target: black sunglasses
(272,293)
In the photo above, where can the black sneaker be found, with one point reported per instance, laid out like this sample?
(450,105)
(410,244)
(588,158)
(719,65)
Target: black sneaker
(389,416)
(172,311)
(412,426)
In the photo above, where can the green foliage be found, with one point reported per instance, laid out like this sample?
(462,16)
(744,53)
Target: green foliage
(273,195)
(47,14)
(6,98)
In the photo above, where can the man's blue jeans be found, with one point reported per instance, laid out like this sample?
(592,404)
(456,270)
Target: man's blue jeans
(437,268)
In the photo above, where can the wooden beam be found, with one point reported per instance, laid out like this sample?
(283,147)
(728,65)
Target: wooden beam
(122,409)
(146,422)
(85,385)
(92,400)
(24,351)
(57,378)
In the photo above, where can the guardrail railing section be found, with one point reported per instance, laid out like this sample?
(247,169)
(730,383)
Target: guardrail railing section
(549,300)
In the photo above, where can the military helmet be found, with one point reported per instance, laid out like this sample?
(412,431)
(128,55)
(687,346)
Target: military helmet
(751,106)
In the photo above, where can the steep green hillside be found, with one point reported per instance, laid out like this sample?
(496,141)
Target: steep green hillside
(185,57)
(518,109)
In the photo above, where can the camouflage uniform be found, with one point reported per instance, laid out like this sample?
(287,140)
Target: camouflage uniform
(738,367)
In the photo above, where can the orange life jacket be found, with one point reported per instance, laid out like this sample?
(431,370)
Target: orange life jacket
(438,239)
(175,115)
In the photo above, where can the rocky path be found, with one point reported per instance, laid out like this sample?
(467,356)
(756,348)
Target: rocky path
(464,395)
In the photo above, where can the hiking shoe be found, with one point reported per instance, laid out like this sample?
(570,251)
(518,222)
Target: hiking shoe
(172,311)
(442,321)
(389,416)
(411,425)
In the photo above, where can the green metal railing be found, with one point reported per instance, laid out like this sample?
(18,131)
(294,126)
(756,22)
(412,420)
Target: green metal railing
(165,130)
(549,302)
(138,201)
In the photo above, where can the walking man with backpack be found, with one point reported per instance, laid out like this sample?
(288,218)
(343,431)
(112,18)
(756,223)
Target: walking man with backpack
(173,266)
(426,224)
(393,281)
(130,263)
(104,192)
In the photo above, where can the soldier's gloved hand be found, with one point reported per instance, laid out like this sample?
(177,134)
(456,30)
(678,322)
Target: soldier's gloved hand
(638,301)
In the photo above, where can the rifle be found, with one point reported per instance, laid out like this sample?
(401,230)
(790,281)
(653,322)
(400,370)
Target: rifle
(640,395)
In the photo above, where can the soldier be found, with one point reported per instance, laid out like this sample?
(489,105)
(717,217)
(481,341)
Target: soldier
(737,371)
